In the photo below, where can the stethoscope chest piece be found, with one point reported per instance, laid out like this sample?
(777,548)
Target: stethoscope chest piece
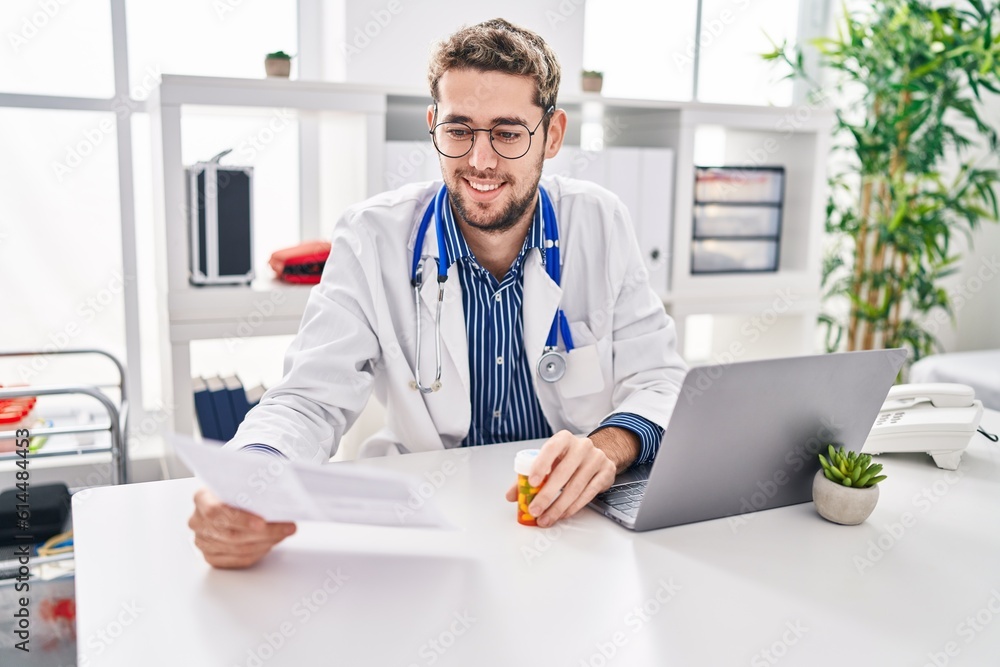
(551,366)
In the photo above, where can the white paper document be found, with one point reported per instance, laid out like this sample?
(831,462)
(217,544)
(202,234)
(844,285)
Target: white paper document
(281,490)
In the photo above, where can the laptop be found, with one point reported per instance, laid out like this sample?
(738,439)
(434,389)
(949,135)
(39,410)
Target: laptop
(744,437)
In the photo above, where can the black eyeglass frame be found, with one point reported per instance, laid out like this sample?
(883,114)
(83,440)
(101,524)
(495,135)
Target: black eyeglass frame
(531,134)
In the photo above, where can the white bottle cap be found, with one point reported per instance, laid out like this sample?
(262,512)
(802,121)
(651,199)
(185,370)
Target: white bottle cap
(524,460)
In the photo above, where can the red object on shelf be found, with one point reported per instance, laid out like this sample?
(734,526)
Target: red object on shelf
(13,410)
(302,263)
(14,413)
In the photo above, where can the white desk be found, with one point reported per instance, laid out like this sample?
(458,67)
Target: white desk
(496,593)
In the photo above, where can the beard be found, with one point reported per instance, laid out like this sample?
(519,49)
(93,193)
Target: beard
(476,215)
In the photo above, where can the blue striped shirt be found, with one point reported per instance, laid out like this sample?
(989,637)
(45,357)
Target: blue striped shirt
(505,407)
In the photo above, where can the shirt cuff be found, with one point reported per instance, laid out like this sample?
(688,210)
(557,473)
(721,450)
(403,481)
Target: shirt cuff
(263,449)
(649,433)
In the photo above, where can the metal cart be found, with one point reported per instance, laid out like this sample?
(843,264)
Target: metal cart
(117,415)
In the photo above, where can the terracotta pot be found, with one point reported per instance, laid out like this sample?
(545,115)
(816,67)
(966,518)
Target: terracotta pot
(843,504)
(592,84)
(278,67)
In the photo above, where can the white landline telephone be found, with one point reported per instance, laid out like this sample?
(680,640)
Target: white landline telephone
(937,418)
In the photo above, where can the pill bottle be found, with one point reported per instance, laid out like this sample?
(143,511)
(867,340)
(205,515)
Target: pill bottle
(525,491)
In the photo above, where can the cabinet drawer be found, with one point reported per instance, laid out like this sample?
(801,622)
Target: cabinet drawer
(715,184)
(733,255)
(716,220)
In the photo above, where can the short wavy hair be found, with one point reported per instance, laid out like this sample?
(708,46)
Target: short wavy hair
(498,46)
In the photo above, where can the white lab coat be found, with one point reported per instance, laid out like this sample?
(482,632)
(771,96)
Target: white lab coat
(358,331)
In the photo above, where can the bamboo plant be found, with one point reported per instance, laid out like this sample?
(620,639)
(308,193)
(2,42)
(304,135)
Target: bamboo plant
(907,78)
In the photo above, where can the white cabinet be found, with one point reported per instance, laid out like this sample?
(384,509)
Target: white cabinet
(642,150)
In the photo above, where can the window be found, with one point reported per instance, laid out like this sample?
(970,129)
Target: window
(224,38)
(60,237)
(733,35)
(619,34)
(651,50)
(56,48)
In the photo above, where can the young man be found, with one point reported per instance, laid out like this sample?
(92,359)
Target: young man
(494,122)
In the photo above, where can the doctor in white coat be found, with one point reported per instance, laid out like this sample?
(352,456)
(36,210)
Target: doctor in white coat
(359,330)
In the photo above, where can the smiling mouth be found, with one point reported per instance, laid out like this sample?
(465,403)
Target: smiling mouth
(483,187)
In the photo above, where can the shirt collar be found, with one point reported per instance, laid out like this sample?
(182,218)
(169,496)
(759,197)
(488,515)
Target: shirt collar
(458,248)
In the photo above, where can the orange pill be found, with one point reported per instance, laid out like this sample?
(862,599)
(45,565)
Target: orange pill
(526,493)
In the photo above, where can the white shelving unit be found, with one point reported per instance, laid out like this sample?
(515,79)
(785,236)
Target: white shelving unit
(779,136)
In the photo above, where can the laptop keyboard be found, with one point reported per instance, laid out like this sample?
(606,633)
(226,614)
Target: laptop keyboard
(625,498)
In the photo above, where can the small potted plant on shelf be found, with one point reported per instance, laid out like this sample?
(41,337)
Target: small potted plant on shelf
(592,80)
(278,63)
(844,489)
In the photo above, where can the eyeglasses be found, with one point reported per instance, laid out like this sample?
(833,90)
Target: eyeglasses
(509,140)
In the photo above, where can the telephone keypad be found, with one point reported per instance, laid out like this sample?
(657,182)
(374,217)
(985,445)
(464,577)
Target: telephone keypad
(888,417)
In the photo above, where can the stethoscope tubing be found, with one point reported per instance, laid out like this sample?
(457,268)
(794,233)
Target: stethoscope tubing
(435,211)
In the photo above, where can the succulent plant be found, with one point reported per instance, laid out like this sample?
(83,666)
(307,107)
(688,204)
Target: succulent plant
(850,469)
(279,55)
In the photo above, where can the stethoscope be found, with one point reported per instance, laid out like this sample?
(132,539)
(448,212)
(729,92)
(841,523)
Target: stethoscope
(552,363)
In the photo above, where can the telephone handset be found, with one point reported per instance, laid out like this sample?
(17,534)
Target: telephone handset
(937,418)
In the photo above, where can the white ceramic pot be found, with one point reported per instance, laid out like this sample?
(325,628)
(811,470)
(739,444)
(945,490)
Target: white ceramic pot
(278,67)
(843,504)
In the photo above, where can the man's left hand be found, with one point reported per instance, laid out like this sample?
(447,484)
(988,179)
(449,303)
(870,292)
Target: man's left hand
(581,467)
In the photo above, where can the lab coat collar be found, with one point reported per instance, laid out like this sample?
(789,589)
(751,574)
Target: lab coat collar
(429,248)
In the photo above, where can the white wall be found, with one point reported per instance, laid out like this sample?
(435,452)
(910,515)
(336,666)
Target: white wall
(389,42)
(975,289)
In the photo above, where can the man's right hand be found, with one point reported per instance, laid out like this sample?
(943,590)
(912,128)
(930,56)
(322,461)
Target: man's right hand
(231,538)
